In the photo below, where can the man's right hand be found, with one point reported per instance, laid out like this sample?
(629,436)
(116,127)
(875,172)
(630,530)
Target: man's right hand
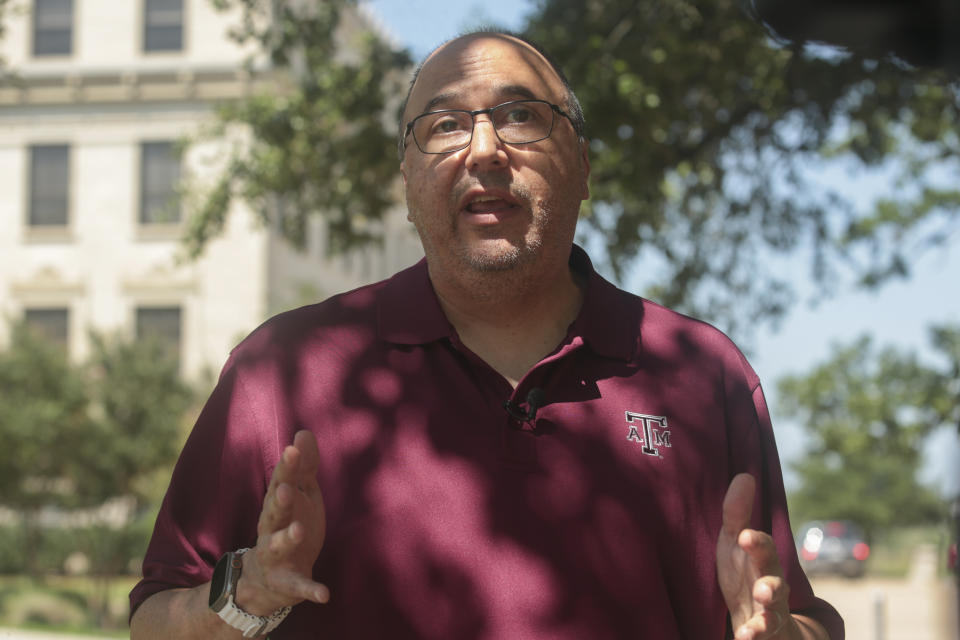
(276,573)
(279,571)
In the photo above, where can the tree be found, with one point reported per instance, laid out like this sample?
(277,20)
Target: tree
(4,6)
(140,403)
(43,421)
(868,413)
(704,131)
(319,144)
(79,435)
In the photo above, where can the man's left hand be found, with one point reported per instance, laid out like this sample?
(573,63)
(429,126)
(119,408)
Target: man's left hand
(749,571)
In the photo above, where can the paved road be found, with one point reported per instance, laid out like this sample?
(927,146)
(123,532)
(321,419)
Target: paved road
(921,607)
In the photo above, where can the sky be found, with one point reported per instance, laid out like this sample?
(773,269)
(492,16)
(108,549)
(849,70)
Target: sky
(898,315)
(421,25)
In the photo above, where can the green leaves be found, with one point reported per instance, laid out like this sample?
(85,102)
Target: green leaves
(868,413)
(139,403)
(319,138)
(707,138)
(77,436)
(43,419)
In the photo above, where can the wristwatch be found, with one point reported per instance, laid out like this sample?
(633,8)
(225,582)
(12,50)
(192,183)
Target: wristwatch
(223,590)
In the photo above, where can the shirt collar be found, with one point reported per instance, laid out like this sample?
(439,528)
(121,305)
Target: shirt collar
(609,320)
(409,312)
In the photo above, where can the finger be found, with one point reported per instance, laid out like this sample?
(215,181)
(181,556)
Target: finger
(306,445)
(277,511)
(288,466)
(298,587)
(761,550)
(283,507)
(738,504)
(282,544)
(764,625)
(283,472)
(772,592)
(286,469)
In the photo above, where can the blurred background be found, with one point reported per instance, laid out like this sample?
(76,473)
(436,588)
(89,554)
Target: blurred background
(173,172)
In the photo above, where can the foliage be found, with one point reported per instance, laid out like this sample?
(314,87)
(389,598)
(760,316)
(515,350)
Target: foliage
(318,140)
(868,412)
(111,553)
(893,551)
(44,421)
(704,131)
(141,402)
(4,6)
(64,604)
(82,434)
(109,550)
(11,550)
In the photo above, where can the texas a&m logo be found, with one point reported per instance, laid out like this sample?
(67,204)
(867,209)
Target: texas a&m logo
(649,431)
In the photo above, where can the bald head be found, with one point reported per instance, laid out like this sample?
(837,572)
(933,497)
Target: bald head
(450,57)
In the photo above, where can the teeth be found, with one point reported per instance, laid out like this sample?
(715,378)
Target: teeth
(485,199)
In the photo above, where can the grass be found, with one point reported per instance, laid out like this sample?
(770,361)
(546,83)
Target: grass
(78,605)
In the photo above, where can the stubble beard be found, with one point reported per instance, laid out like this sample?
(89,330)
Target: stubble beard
(507,254)
(492,261)
(506,258)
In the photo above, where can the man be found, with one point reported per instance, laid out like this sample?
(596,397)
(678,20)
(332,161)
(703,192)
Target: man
(495,443)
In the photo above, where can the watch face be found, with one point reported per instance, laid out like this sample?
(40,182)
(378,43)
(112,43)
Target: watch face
(218,583)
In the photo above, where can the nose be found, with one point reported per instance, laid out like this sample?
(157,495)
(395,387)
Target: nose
(486,151)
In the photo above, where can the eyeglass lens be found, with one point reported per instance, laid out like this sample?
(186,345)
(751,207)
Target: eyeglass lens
(517,122)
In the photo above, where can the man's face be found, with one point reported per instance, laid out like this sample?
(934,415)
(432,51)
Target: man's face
(492,206)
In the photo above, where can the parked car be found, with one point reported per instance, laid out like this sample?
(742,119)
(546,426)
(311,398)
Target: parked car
(833,547)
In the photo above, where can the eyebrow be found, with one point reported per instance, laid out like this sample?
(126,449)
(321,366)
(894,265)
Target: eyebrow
(505,91)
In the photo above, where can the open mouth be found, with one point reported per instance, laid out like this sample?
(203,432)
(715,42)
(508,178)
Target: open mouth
(489,204)
(486,205)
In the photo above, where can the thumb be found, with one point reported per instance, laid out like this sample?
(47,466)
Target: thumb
(738,504)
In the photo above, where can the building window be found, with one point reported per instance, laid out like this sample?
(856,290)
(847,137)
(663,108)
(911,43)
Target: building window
(51,324)
(49,185)
(161,324)
(163,25)
(159,178)
(52,27)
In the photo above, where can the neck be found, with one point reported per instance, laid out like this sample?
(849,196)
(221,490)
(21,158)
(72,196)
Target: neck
(511,319)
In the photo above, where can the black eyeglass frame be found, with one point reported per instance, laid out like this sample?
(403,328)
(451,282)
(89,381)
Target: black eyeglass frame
(473,124)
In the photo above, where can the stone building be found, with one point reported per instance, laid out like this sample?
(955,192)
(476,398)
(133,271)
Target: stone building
(89,223)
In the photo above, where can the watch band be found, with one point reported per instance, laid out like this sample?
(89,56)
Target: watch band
(222,602)
(251,625)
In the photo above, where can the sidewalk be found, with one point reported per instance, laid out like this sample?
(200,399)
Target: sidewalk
(919,607)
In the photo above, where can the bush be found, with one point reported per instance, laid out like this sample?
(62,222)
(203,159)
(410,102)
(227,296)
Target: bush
(12,560)
(109,551)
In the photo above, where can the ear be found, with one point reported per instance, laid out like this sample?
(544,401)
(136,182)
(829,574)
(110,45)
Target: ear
(585,165)
(403,176)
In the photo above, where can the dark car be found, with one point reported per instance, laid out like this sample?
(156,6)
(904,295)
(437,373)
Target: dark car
(832,547)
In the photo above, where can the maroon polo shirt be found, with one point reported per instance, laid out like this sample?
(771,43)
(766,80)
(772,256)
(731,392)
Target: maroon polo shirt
(450,519)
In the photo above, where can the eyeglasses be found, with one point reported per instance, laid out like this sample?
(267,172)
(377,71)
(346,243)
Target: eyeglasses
(515,122)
